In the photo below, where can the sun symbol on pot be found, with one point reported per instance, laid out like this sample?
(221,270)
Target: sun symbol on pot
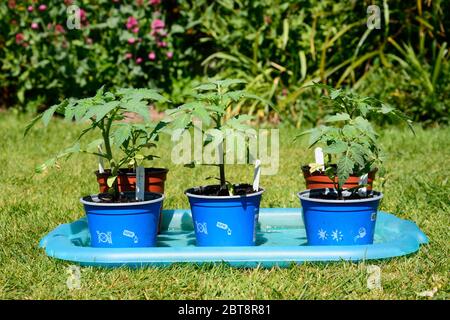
(322,234)
(337,235)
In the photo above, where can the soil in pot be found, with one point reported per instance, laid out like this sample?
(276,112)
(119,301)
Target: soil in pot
(216,191)
(332,194)
(318,180)
(123,197)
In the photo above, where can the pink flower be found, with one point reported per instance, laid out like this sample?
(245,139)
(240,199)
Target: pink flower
(19,38)
(131,40)
(152,56)
(89,41)
(128,55)
(135,29)
(30,8)
(154,2)
(138,60)
(34,26)
(131,22)
(161,44)
(82,15)
(157,24)
(59,28)
(169,55)
(42,7)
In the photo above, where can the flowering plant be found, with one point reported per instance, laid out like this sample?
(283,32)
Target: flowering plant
(58,48)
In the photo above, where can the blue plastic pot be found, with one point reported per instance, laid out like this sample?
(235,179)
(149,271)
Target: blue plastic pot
(225,221)
(339,222)
(123,225)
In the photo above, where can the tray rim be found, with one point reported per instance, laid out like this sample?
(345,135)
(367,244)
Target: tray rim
(58,245)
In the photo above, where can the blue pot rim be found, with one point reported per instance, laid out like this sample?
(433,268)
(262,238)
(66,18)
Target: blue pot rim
(304,195)
(127,204)
(191,195)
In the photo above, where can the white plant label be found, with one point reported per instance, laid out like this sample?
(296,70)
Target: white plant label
(318,155)
(363,180)
(257,175)
(140,183)
(101,167)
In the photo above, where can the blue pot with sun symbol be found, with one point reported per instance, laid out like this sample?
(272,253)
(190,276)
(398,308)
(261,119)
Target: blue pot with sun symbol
(338,222)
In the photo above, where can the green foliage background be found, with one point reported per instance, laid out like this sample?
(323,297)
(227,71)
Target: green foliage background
(277,46)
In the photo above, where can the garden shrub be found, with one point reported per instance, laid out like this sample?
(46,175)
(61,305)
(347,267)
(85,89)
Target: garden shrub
(277,46)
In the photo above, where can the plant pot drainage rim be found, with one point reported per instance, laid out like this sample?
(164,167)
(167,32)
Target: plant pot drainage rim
(305,168)
(186,192)
(304,195)
(123,204)
(130,172)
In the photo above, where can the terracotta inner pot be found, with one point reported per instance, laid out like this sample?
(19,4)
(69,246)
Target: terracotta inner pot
(318,180)
(126,180)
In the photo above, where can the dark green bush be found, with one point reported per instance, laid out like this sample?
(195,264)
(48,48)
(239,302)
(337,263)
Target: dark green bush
(277,46)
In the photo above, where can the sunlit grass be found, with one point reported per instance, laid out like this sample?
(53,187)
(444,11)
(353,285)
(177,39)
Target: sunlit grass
(416,187)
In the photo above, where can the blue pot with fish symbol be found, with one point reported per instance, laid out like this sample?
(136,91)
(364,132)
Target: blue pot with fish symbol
(123,225)
(224,220)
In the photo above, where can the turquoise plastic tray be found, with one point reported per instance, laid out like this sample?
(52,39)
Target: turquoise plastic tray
(281,241)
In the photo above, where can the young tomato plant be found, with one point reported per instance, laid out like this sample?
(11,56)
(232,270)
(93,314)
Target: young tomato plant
(350,144)
(120,143)
(210,105)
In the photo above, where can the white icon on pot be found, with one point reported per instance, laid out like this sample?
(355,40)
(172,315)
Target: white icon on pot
(322,234)
(373,217)
(223,226)
(337,235)
(131,234)
(361,234)
(104,237)
(201,227)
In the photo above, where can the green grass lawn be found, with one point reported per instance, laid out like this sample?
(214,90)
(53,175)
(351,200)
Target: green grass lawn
(416,187)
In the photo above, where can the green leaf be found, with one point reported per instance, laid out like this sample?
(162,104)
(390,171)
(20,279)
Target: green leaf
(139,94)
(182,121)
(202,114)
(357,154)
(139,107)
(335,93)
(110,181)
(350,131)
(48,114)
(338,117)
(336,147)
(100,111)
(93,146)
(122,133)
(31,124)
(344,169)
(386,109)
(228,82)
(206,87)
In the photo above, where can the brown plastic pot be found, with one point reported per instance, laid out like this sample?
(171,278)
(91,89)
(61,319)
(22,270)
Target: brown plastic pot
(126,180)
(318,180)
